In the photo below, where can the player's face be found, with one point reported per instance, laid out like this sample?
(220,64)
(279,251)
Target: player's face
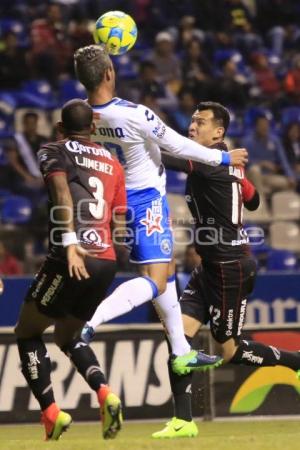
(203,128)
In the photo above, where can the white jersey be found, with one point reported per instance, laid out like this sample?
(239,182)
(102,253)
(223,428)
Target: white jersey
(134,133)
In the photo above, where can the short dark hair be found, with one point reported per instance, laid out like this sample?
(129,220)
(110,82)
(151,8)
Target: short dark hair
(76,115)
(221,114)
(91,62)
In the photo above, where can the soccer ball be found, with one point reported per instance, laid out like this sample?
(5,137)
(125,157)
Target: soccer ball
(117,31)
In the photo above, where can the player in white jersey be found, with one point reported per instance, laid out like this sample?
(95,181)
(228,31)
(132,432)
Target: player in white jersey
(135,134)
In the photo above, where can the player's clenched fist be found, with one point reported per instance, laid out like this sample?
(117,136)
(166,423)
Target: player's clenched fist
(238,157)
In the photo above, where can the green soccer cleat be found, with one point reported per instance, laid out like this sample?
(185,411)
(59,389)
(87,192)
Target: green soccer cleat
(54,430)
(194,361)
(177,428)
(298,374)
(111,414)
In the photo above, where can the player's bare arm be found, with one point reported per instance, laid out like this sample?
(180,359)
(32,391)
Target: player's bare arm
(63,213)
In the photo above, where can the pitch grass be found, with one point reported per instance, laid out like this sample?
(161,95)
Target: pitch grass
(276,435)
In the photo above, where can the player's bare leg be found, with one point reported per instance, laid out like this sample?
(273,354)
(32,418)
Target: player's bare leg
(67,337)
(36,368)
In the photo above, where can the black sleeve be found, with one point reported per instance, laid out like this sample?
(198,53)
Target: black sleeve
(172,163)
(253,204)
(51,159)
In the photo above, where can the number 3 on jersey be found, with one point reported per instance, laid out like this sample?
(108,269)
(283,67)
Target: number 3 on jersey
(97,209)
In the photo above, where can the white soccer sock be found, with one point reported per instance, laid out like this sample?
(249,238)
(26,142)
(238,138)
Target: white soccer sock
(170,312)
(125,297)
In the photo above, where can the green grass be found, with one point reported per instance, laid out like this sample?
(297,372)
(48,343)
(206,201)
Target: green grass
(276,435)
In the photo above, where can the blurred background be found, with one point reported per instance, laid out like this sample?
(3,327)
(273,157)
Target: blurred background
(242,53)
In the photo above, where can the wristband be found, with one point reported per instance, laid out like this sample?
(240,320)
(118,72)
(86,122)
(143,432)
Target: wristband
(69,238)
(225,159)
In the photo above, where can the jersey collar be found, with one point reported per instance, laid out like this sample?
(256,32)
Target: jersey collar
(103,105)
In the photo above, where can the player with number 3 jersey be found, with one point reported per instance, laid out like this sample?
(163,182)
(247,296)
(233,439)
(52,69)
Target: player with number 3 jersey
(86,191)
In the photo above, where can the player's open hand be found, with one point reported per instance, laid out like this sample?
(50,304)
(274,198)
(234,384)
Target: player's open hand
(76,265)
(238,157)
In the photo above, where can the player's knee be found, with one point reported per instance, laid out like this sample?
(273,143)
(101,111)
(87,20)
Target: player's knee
(21,332)
(161,285)
(17,331)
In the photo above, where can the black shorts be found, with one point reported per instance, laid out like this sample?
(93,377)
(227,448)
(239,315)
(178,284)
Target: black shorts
(217,293)
(58,295)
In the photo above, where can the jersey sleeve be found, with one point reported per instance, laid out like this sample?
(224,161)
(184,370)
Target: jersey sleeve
(119,204)
(250,195)
(155,129)
(51,161)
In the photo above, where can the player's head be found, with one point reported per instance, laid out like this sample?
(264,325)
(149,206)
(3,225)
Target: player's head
(94,68)
(209,123)
(76,118)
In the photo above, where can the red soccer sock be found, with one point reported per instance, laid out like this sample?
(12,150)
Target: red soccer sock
(102,393)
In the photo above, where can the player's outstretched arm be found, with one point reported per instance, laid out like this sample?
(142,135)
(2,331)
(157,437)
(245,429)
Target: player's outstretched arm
(181,147)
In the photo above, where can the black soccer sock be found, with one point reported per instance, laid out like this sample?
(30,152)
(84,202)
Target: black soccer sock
(181,387)
(36,368)
(85,361)
(253,353)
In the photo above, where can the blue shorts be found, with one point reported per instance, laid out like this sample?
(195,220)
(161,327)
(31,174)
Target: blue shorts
(150,237)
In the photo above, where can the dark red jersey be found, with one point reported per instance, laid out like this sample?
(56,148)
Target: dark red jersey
(97,185)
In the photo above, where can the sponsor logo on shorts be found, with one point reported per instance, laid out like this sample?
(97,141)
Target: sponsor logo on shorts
(242,315)
(166,246)
(51,290)
(39,285)
(229,323)
(153,218)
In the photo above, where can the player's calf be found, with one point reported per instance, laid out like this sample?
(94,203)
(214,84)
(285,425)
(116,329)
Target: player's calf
(253,353)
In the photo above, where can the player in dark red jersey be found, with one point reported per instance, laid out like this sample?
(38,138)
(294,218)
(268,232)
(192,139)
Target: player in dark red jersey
(87,197)
(218,289)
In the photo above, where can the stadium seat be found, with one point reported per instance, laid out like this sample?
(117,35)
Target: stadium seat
(180,213)
(16,210)
(37,94)
(124,66)
(290,114)
(285,236)
(281,260)
(286,205)
(7,107)
(253,112)
(69,89)
(17,27)
(176,182)
(6,129)
(44,125)
(261,215)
